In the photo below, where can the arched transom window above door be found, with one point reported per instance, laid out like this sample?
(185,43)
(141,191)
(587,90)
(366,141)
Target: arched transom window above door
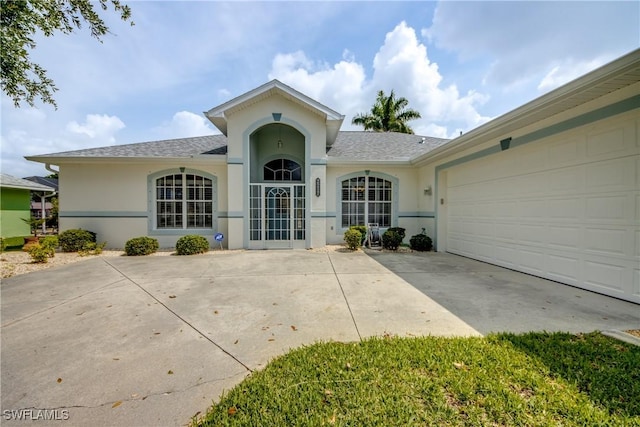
(282,170)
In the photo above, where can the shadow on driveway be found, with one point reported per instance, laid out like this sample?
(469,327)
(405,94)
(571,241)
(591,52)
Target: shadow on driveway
(494,299)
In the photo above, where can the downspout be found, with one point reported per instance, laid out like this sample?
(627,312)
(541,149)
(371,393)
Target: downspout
(48,167)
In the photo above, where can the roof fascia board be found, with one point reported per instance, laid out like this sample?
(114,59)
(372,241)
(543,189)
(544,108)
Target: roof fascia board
(353,162)
(208,158)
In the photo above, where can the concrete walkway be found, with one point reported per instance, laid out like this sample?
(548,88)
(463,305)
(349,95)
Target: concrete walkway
(151,341)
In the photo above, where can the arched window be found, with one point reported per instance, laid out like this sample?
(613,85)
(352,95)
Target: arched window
(366,200)
(282,170)
(184,200)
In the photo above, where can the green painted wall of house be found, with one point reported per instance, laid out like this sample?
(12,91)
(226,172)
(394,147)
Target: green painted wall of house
(14,205)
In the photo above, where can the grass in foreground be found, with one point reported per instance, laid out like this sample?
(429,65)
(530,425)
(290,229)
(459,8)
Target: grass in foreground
(535,379)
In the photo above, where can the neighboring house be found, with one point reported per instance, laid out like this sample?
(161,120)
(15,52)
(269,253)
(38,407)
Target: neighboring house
(15,204)
(38,198)
(38,212)
(550,188)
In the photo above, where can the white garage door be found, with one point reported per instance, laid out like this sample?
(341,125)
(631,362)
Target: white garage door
(566,208)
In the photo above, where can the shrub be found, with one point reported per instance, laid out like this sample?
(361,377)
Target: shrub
(391,240)
(191,244)
(43,249)
(74,240)
(11,242)
(401,231)
(421,242)
(141,246)
(92,248)
(363,232)
(50,242)
(353,237)
(39,253)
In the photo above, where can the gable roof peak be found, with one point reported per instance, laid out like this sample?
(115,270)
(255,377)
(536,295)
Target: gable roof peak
(218,115)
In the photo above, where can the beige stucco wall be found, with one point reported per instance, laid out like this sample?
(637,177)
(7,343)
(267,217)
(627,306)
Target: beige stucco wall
(112,199)
(410,196)
(305,141)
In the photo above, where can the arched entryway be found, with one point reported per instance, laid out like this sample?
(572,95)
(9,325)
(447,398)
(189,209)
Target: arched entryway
(277,203)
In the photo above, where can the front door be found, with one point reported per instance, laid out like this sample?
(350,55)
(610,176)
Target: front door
(277,216)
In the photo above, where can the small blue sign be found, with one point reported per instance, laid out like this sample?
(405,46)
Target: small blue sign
(219,237)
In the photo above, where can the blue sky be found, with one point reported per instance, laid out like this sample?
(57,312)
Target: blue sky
(459,63)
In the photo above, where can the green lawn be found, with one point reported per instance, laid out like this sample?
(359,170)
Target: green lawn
(534,379)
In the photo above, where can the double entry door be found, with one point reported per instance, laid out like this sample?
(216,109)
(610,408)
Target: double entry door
(277,216)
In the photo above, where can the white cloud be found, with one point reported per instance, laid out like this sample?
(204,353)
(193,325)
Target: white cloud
(99,127)
(30,131)
(184,124)
(525,41)
(401,64)
(565,72)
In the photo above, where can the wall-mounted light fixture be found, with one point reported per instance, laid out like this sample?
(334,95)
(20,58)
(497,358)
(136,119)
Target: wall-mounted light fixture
(279,137)
(427,190)
(181,169)
(317,187)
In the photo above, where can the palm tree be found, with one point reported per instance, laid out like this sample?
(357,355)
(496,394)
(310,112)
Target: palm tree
(388,114)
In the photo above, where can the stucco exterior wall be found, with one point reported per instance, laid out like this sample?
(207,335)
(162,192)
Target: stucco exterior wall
(303,140)
(407,197)
(115,201)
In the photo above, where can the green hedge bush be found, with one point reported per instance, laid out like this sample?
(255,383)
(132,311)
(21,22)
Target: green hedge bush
(353,237)
(391,239)
(11,242)
(76,239)
(421,242)
(192,244)
(401,231)
(141,246)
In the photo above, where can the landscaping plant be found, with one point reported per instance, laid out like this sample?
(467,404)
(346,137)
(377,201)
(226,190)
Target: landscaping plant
(42,250)
(421,242)
(353,238)
(75,240)
(191,244)
(391,239)
(141,246)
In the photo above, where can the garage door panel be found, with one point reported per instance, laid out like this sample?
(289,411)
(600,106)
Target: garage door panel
(609,141)
(565,237)
(563,268)
(608,209)
(532,262)
(565,152)
(571,208)
(609,241)
(606,274)
(613,175)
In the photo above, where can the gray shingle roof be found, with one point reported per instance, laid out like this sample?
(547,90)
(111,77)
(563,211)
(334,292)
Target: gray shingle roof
(349,145)
(13,182)
(181,147)
(382,146)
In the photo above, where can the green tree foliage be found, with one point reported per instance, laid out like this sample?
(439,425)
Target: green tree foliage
(20,20)
(388,114)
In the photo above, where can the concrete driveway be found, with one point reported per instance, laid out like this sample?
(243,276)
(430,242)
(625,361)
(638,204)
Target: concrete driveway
(495,299)
(151,341)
